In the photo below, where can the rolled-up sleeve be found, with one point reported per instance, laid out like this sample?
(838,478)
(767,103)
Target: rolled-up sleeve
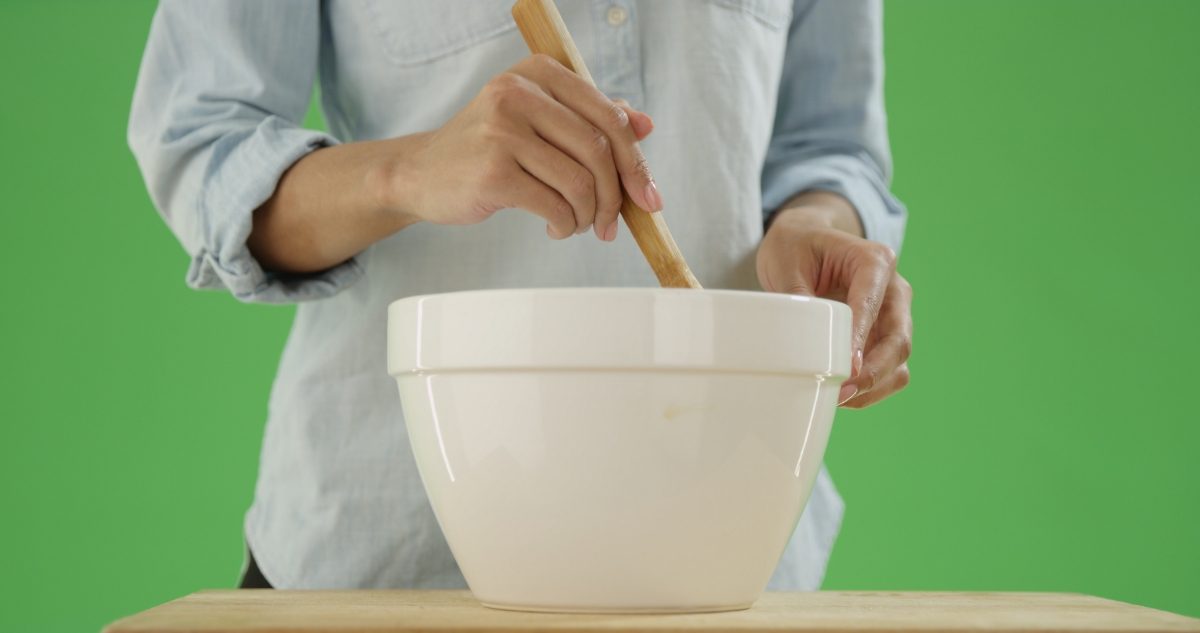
(214,125)
(830,126)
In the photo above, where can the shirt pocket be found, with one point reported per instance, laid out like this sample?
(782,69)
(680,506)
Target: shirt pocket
(774,14)
(416,32)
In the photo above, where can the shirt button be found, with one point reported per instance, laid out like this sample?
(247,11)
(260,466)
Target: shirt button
(617,15)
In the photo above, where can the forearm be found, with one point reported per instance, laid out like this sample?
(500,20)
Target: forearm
(331,205)
(819,209)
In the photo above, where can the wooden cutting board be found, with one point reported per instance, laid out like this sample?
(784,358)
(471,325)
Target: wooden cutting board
(264,611)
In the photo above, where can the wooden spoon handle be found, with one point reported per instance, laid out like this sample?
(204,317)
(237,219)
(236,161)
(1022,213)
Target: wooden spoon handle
(544,32)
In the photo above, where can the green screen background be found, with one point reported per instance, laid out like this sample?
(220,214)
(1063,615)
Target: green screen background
(1049,441)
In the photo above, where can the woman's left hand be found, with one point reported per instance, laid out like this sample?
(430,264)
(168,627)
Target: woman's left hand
(814,247)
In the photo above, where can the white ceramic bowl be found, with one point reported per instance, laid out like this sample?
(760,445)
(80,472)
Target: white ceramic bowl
(618,449)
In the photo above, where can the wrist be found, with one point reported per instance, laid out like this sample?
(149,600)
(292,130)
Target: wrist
(818,210)
(393,181)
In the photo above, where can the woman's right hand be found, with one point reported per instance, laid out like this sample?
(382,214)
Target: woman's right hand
(536,137)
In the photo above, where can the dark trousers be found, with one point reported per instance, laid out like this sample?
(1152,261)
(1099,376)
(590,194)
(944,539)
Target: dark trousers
(253,578)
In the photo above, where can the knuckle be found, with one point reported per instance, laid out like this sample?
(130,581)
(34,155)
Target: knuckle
(542,60)
(582,185)
(904,346)
(504,91)
(564,214)
(884,254)
(640,168)
(617,116)
(867,378)
(599,145)
(870,304)
(500,83)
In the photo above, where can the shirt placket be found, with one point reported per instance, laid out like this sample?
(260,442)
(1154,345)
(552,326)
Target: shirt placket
(618,48)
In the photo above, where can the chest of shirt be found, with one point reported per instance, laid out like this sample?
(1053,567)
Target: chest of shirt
(391,67)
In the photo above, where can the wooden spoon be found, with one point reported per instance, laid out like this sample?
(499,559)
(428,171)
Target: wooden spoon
(545,33)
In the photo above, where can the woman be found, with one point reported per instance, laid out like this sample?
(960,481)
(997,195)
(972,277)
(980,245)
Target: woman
(769,113)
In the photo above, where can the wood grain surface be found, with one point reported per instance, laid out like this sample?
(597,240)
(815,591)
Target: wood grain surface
(400,611)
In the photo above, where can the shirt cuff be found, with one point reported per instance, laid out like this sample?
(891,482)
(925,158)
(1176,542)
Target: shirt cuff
(247,168)
(882,215)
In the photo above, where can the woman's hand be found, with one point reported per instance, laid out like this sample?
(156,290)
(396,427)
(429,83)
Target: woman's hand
(814,247)
(537,137)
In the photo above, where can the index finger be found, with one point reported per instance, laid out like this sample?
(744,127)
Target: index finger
(577,94)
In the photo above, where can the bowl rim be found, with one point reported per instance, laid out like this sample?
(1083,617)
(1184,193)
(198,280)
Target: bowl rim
(760,294)
(658,329)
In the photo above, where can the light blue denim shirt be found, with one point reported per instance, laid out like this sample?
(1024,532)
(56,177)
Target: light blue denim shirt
(754,101)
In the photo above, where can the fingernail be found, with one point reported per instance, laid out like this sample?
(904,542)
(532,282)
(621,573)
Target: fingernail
(653,197)
(610,233)
(582,229)
(849,390)
(856,363)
